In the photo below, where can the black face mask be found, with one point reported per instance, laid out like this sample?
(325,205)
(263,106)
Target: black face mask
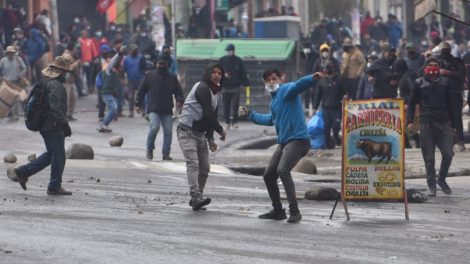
(391,59)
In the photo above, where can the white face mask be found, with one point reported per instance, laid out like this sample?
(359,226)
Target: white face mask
(112,28)
(306,51)
(369,64)
(76,20)
(143,34)
(271,89)
(325,54)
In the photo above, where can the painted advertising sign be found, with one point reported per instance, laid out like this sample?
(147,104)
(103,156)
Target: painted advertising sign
(373,150)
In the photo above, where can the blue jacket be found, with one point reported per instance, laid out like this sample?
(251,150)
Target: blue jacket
(133,68)
(35,46)
(287,113)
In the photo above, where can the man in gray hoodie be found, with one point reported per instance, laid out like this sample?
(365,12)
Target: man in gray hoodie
(195,131)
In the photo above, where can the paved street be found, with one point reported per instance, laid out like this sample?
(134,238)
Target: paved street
(125,209)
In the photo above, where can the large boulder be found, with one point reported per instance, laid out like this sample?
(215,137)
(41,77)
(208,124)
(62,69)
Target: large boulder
(116,141)
(415,196)
(80,151)
(10,158)
(306,165)
(321,193)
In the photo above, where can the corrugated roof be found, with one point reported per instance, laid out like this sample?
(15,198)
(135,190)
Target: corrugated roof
(245,48)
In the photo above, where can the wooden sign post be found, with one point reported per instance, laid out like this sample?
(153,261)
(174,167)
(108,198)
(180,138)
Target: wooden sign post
(373,164)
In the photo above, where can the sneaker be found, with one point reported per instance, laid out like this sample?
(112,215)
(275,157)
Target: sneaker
(60,191)
(11,173)
(200,209)
(294,216)
(167,157)
(149,154)
(444,187)
(431,192)
(274,215)
(235,125)
(104,129)
(199,202)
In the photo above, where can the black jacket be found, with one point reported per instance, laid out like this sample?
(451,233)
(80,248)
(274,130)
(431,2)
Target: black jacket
(330,92)
(383,73)
(56,113)
(235,72)
(457,77)
(160,90)
(434,100)
(209,122)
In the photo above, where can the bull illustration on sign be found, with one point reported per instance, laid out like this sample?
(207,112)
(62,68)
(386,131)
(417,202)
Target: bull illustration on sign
(373,149)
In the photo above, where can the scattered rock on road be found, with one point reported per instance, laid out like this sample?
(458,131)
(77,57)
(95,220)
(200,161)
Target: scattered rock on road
(10,158)
(415,196)
(306,165)
(31,157)
(80,151)
(321,193)
(116,141)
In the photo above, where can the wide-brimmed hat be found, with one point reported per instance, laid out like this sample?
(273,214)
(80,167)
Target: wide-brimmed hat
(57,67)
(10,49)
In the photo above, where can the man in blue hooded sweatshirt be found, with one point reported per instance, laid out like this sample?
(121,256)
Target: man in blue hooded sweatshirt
(287,116)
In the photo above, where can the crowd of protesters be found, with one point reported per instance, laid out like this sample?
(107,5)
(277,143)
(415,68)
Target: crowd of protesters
(384,65)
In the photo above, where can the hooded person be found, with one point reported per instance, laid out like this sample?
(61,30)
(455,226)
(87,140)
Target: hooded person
(235,77)
(54,130)
(195,132)
(161,88)
(453,69)
(385,79)
(134,67)
(433,94)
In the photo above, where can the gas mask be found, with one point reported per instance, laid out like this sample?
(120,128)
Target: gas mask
(271,89)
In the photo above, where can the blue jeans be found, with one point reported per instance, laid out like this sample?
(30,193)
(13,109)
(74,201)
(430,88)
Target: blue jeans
(54,156)
(110,102)
(167,122)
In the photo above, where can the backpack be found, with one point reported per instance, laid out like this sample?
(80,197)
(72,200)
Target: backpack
(36,106)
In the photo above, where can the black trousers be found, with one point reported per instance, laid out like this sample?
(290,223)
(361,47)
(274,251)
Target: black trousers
(231,102)
(282,162)
(436,134)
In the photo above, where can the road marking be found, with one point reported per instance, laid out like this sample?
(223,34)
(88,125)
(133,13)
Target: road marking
(139,165)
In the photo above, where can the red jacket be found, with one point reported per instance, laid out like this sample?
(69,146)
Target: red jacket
(88,49)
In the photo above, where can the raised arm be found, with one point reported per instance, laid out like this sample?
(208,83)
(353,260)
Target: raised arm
(300,86)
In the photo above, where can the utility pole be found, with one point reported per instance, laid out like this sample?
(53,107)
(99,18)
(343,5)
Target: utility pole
(250,18)
(54,22)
